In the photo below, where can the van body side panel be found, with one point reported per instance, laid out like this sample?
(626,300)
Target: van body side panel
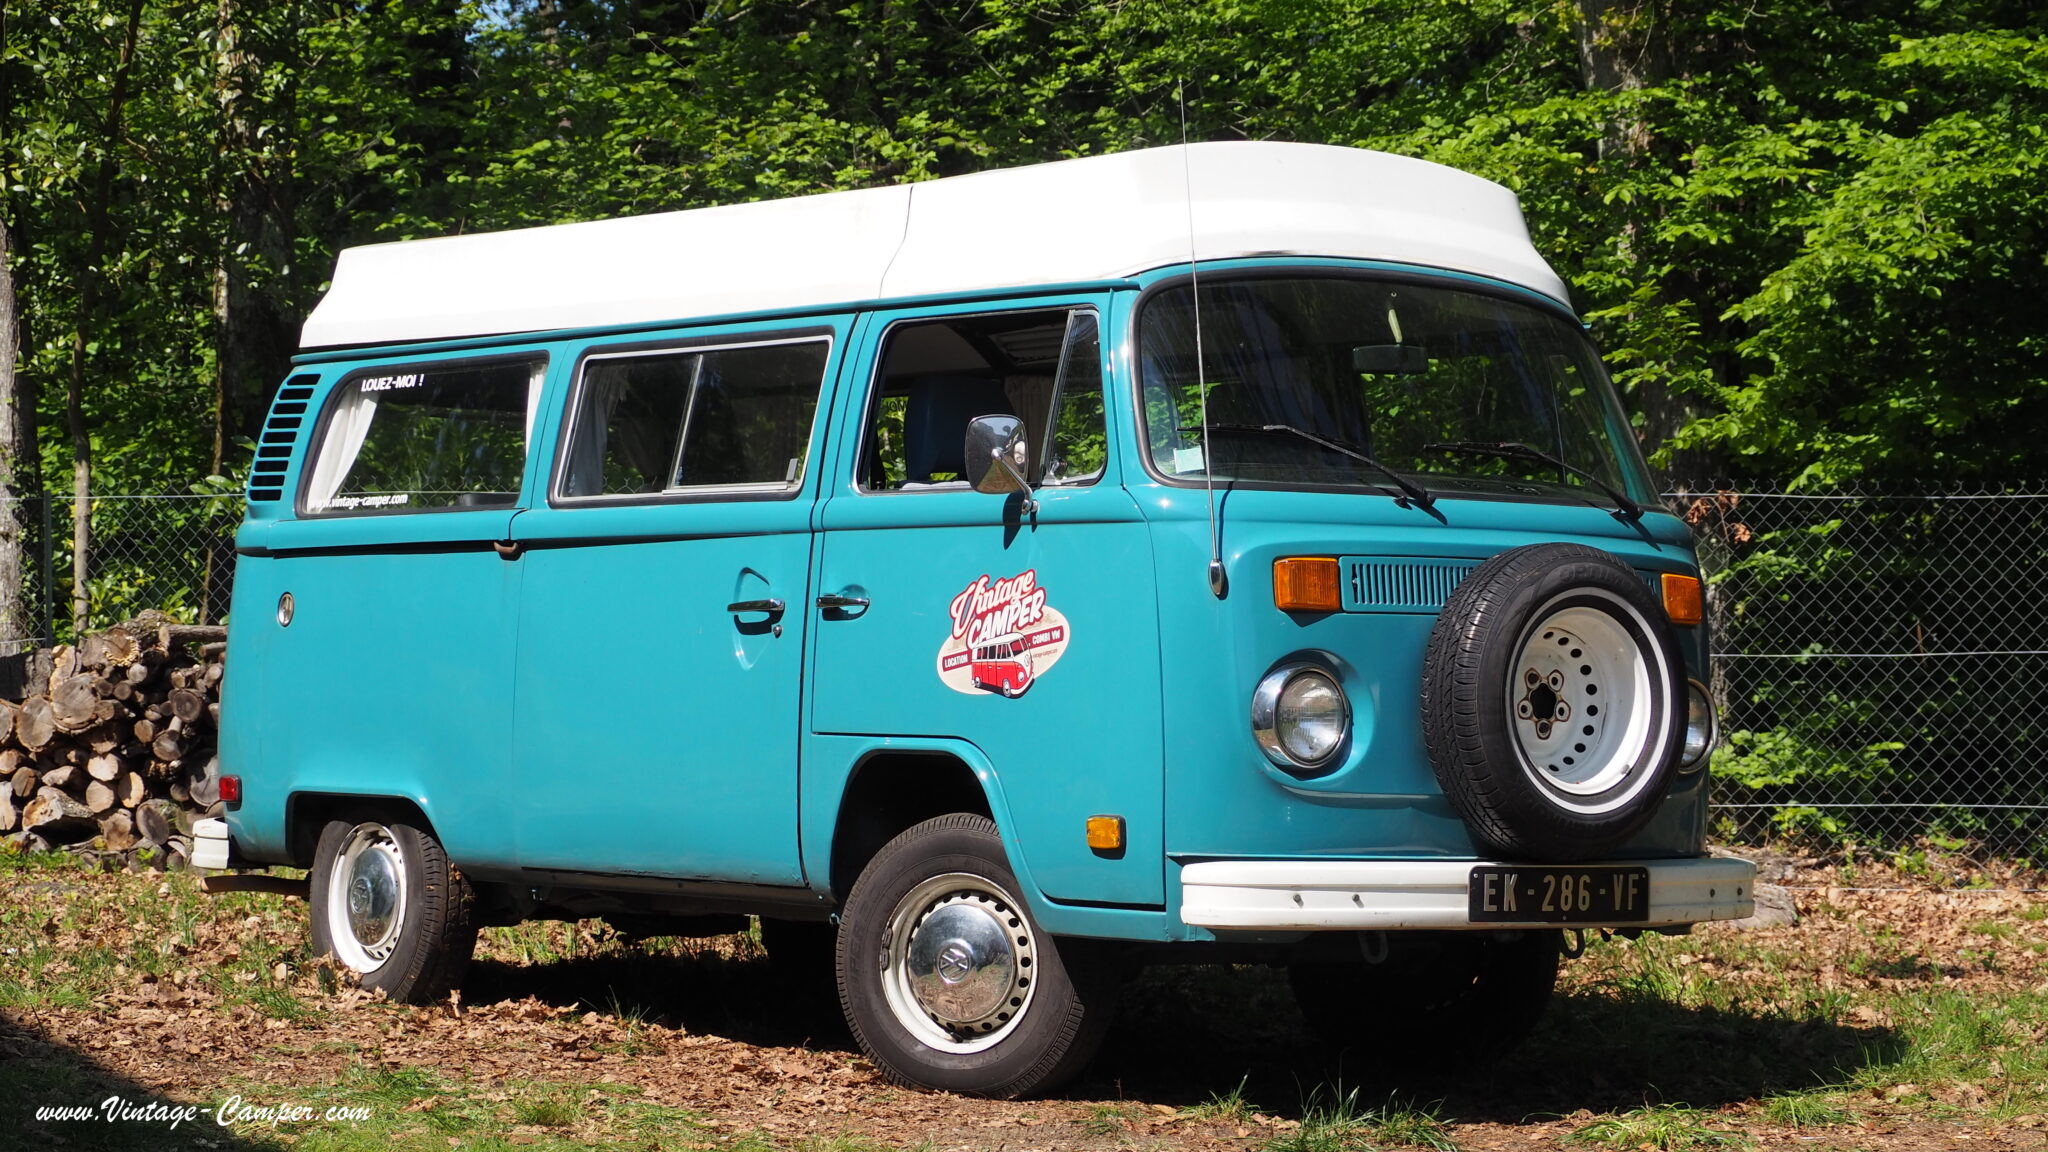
(258,822)
(395,675)
(657,732)
(1381,799)
(944,568)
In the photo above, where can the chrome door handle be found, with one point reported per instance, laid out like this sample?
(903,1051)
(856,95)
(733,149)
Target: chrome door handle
(772,606)
(842,602)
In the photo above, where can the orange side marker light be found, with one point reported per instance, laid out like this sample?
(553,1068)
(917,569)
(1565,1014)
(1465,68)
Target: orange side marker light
(1685,602)
(1307,584)
(1106,833)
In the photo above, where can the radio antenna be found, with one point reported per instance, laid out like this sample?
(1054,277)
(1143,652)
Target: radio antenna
(1219,583)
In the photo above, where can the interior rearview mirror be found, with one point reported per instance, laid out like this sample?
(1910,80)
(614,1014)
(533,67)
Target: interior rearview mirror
(1389,359)
(997,454)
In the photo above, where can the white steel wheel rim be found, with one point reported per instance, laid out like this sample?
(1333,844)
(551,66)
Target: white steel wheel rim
(367,898)
(1582,702)
(959,963)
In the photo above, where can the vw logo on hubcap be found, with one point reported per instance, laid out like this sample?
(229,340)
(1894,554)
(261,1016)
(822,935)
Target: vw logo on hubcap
(955,962)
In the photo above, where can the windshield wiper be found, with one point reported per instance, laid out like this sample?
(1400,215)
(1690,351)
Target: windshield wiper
(1413,492)
(1625,508)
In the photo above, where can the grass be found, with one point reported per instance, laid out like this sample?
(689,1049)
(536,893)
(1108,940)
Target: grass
(1225,1107)
(1806,1110)
(1339,1123)
(550,1110)
(414,1109)
(1108,1119)
(1662,1127)
(1870,1012)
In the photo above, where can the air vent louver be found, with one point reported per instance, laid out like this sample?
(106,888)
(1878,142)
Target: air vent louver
(280,433)
(1401,584)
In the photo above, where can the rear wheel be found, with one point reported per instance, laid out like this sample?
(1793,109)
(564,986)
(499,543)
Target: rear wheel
(947,982)
(1431,997)
(387,904)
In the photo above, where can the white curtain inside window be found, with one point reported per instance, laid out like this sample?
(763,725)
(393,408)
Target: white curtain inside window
(538,376)
(602,391)
(346,431)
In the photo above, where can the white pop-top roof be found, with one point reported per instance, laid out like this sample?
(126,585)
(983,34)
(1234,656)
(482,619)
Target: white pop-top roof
(1098,218)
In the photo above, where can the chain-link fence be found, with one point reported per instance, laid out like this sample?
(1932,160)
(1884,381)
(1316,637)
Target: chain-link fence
(172,553)
(1882,666)
(1881,657)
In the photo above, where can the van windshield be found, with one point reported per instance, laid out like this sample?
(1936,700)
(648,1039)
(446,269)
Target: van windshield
(1400,372)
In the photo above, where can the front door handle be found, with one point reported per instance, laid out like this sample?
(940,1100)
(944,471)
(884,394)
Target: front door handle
(772,606)
(842,603)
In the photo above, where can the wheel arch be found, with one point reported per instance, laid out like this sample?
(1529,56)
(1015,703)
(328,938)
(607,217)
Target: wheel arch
(889,790)
(306,813)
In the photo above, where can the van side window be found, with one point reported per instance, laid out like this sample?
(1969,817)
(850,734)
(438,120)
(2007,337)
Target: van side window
(425,437)
(937,375)
(1079,445)
(733,418)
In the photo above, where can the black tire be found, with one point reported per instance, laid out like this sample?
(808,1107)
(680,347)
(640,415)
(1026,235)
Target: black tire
(1485,735)
(432,930)
(1436,998)
(1020,1029)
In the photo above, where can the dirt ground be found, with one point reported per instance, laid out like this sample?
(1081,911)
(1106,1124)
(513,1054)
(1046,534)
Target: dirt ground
(1885,1019)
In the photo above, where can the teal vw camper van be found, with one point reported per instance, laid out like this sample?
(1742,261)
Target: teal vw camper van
(1223,552)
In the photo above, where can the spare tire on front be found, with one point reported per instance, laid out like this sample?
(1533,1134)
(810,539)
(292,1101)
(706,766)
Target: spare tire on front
(1553,702)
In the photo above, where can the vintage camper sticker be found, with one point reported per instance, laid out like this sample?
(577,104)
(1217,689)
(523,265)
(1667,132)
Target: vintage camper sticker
(1005,636)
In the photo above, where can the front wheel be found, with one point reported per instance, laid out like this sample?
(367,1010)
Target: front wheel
(947,982)
(387,904)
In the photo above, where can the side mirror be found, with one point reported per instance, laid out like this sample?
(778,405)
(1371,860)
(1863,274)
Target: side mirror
(997,455)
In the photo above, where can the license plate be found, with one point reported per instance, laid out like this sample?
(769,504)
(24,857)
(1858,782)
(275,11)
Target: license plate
(1503,894)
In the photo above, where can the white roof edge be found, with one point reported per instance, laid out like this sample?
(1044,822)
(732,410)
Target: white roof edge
(1097,218)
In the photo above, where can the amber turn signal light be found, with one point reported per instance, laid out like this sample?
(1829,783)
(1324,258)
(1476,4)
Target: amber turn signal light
(1307,584)
(1685,602)
(1106,833)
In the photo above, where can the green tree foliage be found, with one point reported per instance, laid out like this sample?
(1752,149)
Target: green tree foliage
(1807,234)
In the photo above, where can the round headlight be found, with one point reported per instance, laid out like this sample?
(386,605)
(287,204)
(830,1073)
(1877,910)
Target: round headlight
(1699,726)
(1300,716)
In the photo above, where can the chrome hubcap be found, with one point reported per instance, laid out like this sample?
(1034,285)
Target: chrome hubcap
(957,971)
(367,897)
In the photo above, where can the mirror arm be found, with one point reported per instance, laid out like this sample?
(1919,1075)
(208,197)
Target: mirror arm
(1003,458)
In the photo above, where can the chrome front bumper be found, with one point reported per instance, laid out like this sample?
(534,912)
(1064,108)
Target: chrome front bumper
(1353,895)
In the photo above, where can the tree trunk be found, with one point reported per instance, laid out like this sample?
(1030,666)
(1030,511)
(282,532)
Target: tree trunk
(98,225)
(20,467)
(15,630)
(1628,46)
(255,199)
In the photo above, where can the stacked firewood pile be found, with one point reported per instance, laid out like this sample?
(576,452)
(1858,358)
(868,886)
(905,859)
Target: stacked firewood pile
(111,747)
